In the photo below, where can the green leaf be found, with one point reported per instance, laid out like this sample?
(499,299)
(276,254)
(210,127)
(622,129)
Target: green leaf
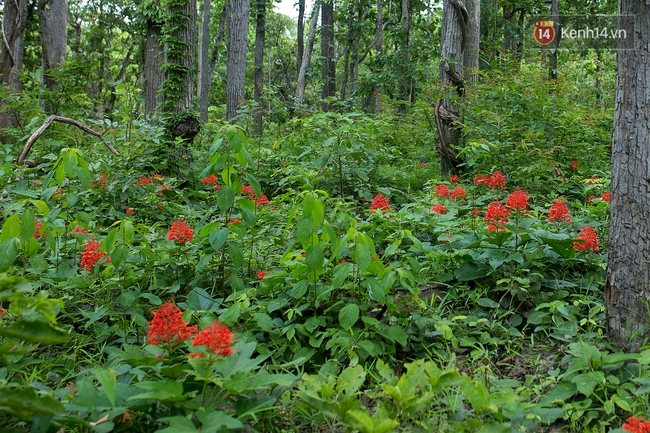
(236,254)
(167,390)
(252,181)
(110,240)
(299,289)
(178,424)
(362,256)
(25,403)
(8,253)
(341,273)
(119,255)
(349,315)
(226,198)
(217,238)
(213,420)
(351,379)
(35,332)
(106,376)
(264,321)
(10,228)
(71,198)
(397,333)
(495,427)
(28,226)
(127,231)
(488,303)
(314,257)
(200,300)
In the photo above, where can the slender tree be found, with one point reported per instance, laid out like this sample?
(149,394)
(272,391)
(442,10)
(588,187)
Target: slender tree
(380,51)
(258,74)
(327,52)
(471,52)
(53,30)
(627,287)
(237,43)
(301,34)
(302,74)
(204,72)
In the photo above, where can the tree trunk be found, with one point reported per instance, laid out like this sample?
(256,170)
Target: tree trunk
(627,288)
(237,45)
(301,34)
(258,78)
(470,54)
(302,74)
(204,72)
(552,64)
(327,52)
(380,50)
(346,50)
(452,44)
(53,29)
(154,58)
(180,82)
(14,21)
(408,86)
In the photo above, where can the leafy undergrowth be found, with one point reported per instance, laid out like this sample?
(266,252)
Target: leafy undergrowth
(326,283)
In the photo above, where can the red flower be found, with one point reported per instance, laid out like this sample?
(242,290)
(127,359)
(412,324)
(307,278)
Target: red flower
(262,274)
(129,211)
(234,220)
(40,231)
(591,198)
(3,312)
(496,213)
(559,212)
(160,192)
(593,180)
(589,240)
(58,191)
(101,182)
(180,233)
(442,190)
(216,337)
(637,425)
(210,180)
(261,201)
(574,164)
(91,255)
(217,187)
(607,196)
(449,235)
(497,180)
(155,177)
(248,190)
(79,230)
(481,179)
(475,212)
(454,178)
(458,192)
(439,208)
(422,164)
(379,202)
(143,181)
(517,199)
(168,326)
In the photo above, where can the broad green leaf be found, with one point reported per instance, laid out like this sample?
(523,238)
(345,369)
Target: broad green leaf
(10,228)
(25,403)
(178,424)
(348,316)
(119,255)
(351,379)
(127,231)
(106,376)
(362,256)
(398,334)
(226,198)
(314,257)
(217,238)
(28,226)
(212,421)
(34,332)
(236,254)
(299,289)
(486,302)
(110,240)
(252,181)
(264,321)
(341,273)
(71,198)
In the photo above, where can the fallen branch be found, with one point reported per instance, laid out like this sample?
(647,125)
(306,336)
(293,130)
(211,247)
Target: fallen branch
(32,138)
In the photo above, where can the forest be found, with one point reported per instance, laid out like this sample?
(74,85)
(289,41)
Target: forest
(379,216)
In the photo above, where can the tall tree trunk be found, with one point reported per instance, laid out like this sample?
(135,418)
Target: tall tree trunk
(407,71)
(327,52)
(380,52)
(346,50)
(301,34)
(14,21)
(237,45)
(53,29)
(154,58)
(258,78)
(470,54)
(302,74)
(180,82)
(204,77)
(452,44)
(552,55)
(627,288)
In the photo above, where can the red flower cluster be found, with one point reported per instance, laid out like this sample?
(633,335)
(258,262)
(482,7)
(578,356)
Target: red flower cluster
(210,180)
(574,164)
(589,240)
(495,180)
(101,182)
(261,201)
(58,191)
(234,220)
(607,196)
(559,212)
(438,208)
(129,211)
(40,231)
(458,192)
(442,190)
(152,179)
(262,274)
(143,181)
(454,178)
(517,200)
(475,212)
(594,180)
(91,255)
(180,233)
(168,325)
(496,214)
(80,230)
(216,337)
(248,190)
(422,164)
(379,202)
(637,425)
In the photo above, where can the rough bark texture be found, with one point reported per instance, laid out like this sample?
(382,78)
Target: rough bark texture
(470,54)
(408,83)
(452,43)
(204,71)
(552,64)
(627,292)
(302,74)
(346,50)
(327,52)
(380,51)
(153,75)
(11,52)
(237,43)
(53,29)
(181,71)
(258,74)
(301,34)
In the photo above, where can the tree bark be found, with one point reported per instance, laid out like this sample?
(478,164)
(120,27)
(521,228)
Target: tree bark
(346,50)
(553,46)
(53,29)
(302,74)
(258,75)
(408,86)
(153,74)
(237,44)
(380,51)
(471,52)
(204,72)
(452,44)
(327,52)
(301,34)
(627,289)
